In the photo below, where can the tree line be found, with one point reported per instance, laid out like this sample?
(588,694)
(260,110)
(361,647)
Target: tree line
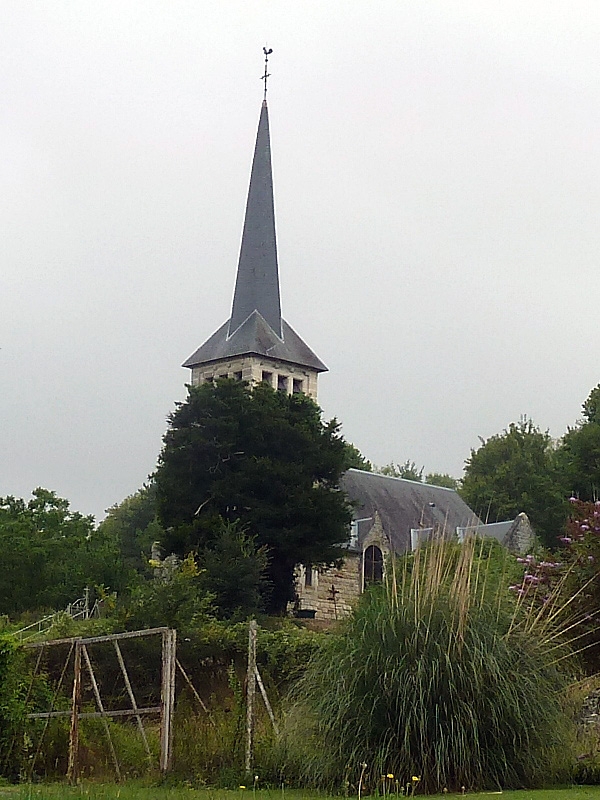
(247,482)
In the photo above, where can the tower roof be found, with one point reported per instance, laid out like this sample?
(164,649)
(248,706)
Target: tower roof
(257,282)
(256,326)
(255,337)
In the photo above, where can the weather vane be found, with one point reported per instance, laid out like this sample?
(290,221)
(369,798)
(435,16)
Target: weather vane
(267,74)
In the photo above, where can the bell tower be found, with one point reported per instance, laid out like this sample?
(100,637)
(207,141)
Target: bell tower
(256,344)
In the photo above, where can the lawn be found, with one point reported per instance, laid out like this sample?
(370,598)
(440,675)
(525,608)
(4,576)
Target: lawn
(90,791)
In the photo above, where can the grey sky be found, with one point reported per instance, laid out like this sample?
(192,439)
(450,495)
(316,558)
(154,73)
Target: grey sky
(437,192)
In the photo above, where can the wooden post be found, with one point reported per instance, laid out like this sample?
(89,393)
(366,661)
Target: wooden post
(167,699)
(132,700)
(263,691)
(201,702)
(250,692)
(52,702)
(100,705)
(73,769)
(172,660)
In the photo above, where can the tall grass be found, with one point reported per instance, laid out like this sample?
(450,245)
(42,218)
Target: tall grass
(439,675)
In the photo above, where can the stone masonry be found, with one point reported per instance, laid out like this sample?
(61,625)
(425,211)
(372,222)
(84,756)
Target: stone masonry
(331,593)
(289,378)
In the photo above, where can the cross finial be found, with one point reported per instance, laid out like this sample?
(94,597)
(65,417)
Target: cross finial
(267,74)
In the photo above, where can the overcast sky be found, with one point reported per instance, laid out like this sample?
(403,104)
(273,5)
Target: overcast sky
(437,193)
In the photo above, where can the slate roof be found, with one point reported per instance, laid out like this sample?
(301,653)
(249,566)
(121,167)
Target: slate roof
(257,337)
(403,505)
(495,530)
(257,282)
(516,534)
(256,326)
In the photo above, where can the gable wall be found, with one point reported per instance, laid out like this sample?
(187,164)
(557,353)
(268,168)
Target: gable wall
(335,590)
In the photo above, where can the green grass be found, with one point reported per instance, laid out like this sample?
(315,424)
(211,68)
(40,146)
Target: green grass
(90,791)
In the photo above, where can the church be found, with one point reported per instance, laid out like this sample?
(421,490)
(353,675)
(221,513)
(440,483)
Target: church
(391,515)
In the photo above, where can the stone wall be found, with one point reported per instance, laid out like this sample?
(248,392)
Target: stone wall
(254,369)
(331,593)
(521,537)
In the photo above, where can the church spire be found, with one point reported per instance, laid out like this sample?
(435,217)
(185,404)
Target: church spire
(257,282)
(256,344)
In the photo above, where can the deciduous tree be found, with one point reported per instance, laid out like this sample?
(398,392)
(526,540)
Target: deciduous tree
(409,471)
(579,453)
(517,470)
(50,553)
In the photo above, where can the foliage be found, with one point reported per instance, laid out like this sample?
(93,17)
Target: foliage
(51,553)
(210,750)
(20,693)
(12,707)
(516,471)
(573,575)
(264,458)
(409,471)
(284,649)
(233,573)
(579,452)
(441,675)
(355,459)
(591,407)
(197,791)
(175,598)
(133,525)
(442,479)
(225,580)
(95,755)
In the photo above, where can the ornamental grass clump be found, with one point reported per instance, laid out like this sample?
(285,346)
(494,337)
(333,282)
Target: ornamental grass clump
(440,673)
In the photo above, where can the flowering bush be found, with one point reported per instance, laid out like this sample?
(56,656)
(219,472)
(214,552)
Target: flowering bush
(573,577)
(580,553)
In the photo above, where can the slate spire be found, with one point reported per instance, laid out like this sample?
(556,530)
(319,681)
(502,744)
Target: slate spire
(256,328)
(257,281)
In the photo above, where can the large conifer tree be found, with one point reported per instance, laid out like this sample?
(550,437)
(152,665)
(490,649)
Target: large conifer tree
(264,458)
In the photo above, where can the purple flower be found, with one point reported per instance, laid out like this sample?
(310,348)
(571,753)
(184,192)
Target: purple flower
(572,499)
(591,559)
(531,579)
(565,539)
(584,527)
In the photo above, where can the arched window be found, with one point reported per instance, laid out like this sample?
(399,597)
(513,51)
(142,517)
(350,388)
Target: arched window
(373,565)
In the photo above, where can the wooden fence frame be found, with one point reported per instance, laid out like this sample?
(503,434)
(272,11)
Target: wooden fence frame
(79,646)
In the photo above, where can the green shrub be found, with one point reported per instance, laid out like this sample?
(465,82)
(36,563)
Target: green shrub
(15,744)
(440,675)
(95,756)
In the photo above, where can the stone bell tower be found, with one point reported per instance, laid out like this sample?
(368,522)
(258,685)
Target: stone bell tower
(256,344)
